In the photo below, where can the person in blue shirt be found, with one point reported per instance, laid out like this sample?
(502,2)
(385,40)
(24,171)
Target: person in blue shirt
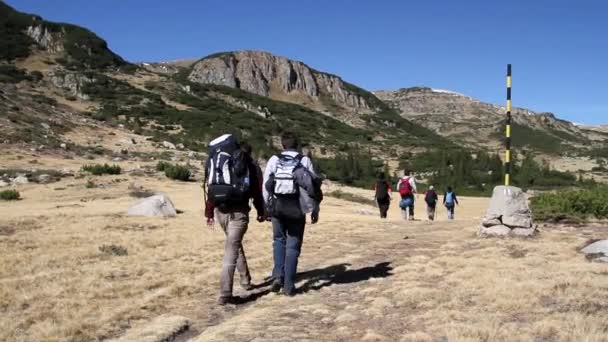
(450,201)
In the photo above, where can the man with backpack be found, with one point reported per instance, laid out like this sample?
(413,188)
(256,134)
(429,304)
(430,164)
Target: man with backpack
(407,189)
(231,179)
(450,201)
(431,198)
(291,190)
(383,194)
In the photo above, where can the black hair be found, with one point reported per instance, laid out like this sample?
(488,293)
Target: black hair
(289,141)
(381,176)
(449,189)
(246,147)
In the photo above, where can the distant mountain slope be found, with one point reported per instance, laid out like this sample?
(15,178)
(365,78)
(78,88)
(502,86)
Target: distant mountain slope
(475,123)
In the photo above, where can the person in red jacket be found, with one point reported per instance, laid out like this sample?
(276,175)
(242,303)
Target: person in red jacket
(383,194)
(234,222)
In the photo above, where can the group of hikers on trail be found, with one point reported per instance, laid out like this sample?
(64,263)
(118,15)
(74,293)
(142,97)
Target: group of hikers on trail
(284,194)
(407,191)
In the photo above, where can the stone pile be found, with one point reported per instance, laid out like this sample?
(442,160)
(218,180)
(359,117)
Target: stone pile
(508,214)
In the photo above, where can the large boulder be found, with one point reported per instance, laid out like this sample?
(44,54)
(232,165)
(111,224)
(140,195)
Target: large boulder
(154,206)
(597,250)
(508,214)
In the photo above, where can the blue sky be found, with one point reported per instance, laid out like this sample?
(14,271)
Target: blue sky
(558,48)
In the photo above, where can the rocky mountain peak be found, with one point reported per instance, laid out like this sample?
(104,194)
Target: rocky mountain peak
(265,74)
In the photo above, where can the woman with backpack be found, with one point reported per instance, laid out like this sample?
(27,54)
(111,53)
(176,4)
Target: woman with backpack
(450,201)
(407,189)
(383,194)
(431,198)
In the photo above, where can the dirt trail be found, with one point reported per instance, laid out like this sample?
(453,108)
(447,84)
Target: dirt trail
(361,278)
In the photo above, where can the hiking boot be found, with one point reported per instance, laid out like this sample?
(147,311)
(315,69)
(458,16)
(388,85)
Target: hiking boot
(223,300)
(276,286)
(290,293)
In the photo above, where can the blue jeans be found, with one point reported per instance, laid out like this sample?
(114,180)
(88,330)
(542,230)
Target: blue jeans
(286,246)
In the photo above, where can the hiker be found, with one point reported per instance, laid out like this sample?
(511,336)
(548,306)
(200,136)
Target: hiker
(383,194)
(431,198)
(450,201)
(407,189)
(291,190)
(231,179)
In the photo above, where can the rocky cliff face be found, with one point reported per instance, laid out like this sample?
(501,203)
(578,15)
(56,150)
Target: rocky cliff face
(268,75)
(50,41)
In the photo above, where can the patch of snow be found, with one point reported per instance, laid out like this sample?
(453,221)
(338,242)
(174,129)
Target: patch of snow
(444,91)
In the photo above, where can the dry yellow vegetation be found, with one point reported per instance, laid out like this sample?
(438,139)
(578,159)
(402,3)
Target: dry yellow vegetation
(362,279)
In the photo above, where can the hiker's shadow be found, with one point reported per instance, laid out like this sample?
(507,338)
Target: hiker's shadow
(322,277)
(340,274)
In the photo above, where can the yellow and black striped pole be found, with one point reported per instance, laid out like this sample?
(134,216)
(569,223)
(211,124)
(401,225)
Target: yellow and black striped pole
(508,130)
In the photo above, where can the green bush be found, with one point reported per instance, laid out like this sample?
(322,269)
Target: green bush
(571,205)
(177,172)
(161,166)
(10,195)
(350,197)
(98,169)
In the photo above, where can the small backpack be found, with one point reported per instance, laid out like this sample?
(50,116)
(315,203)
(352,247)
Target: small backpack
(405,188)
(284,179)
(227,172)
(382,190)
(449,199)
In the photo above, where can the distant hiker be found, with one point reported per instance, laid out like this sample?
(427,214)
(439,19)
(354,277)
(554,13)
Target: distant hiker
(450,201)
(431,198)
(384,194)
(231,179)
(291,190)
(407,189)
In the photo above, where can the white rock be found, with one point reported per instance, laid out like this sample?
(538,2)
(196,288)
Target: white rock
(501,230)
(44,179)
(155,206)
(64,146)
(45,125)
(524,232)
(20,180)
(3,184)
(169,145)
(508,205)
(192,155)
(597,247)
(180,146)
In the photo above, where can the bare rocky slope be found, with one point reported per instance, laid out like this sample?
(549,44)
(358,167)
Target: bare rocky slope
(456,116)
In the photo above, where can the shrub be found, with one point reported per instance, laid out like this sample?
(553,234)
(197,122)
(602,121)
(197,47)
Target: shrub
(161,166)
(351,197)
(113,250)
(90,184)
(572,204)
(10,195)
(177,172)
(98,169)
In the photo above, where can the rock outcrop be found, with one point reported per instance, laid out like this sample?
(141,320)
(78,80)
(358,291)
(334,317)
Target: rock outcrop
(70,82)
(508,214)
(265,74)
(50,41)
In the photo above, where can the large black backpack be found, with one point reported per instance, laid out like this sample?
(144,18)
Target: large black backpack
(227,172)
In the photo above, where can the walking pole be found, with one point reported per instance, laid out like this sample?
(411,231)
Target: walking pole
(508,131)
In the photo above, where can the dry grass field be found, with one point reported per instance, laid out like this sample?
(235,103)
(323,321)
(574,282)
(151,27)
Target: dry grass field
(362,279)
